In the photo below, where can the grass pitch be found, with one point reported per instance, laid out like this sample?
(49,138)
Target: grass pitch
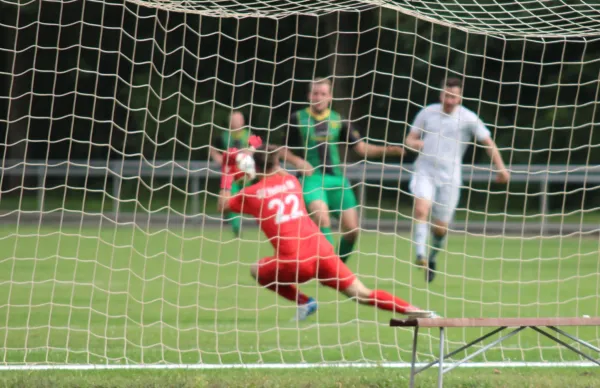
(309,378)
(122,294)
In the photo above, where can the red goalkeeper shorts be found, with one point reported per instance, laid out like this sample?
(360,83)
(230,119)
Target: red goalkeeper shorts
(327,268)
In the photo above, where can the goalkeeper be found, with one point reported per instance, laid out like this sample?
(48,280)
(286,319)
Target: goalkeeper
(237,136)
(315,133)
(301,251)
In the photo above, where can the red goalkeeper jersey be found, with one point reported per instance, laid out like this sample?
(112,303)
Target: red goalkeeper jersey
(276,201)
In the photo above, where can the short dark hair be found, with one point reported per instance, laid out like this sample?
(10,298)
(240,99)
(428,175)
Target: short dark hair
(453,82)
(265,158)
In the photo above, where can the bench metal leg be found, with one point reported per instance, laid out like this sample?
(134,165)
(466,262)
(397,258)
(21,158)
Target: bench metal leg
(414,357)
(441,371)
(441,366)
(563,343)
(464,347)
(582,342)
(442,356)
(485,348)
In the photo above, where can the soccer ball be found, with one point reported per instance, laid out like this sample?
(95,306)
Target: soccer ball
(245,163)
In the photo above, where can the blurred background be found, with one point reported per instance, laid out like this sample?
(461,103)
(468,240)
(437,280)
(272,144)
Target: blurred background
(119,90)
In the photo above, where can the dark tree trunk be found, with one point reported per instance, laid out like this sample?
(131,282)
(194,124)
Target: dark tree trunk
(340,66)
(19,89)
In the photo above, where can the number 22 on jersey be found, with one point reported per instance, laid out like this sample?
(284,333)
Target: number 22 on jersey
(286,210)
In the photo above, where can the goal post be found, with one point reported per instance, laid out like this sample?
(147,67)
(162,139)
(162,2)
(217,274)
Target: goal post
(113,253)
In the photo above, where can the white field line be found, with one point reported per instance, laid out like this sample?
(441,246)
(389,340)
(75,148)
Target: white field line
(91,367)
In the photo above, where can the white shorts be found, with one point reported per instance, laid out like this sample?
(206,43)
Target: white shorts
(444,195)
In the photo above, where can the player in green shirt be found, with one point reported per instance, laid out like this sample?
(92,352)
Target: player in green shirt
(237,136)
(315,133)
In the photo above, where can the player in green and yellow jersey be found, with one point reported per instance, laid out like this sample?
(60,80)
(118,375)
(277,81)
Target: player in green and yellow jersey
(315,133)
(236,137)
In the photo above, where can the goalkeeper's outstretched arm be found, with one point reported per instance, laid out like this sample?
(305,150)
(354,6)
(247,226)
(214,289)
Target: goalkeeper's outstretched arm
(228,170)
(223,203)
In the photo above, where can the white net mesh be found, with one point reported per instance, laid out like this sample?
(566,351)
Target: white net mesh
(533,18)
(112,249)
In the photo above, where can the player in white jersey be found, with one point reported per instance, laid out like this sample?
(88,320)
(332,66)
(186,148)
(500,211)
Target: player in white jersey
(441,134)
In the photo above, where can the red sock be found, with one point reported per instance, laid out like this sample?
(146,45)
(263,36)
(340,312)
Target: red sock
(386,301)
(288,291)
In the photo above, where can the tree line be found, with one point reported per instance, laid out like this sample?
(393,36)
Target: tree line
(115,80)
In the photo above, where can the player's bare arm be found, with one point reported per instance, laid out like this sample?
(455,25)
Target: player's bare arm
(413,141)
(215,154)
(296,161)
(503,175)
(367,150)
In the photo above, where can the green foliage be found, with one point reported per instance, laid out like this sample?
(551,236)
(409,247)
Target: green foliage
(177,76)
(168,120)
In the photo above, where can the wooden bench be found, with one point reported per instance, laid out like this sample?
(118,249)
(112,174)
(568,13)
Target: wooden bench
(516,324)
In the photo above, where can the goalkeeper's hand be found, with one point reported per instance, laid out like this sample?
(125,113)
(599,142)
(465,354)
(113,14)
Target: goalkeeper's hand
(254,142)
(245,164)
(239,163)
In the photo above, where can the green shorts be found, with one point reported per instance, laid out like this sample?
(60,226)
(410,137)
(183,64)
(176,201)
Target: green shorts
(236,187)
(334,190)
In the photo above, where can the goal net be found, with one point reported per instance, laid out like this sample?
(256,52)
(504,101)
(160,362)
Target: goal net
(112,250)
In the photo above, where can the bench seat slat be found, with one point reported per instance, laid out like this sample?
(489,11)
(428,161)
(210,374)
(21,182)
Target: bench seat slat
(494,322)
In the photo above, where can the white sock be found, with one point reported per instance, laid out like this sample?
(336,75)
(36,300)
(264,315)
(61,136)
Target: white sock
(420,237)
